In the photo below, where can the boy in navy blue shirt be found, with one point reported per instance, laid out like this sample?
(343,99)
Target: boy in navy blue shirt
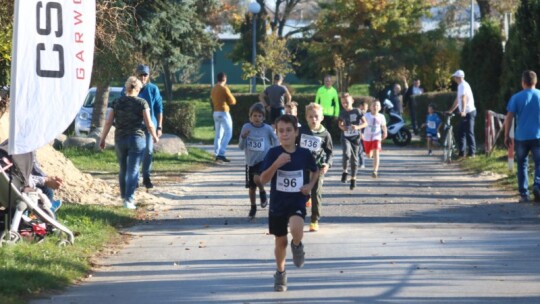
(287,167)
(432,125)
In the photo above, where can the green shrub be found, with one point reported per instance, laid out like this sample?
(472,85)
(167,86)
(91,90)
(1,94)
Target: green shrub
(179,118)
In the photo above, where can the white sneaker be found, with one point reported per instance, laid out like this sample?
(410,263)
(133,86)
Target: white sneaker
(129,205)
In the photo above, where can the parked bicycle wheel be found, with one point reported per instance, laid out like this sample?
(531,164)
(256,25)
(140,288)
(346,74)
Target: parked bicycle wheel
(448,147)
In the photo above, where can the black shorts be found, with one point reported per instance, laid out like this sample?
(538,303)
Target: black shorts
(251,171)
(278,224)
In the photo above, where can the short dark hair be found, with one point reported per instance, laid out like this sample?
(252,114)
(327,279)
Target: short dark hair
(529,77)
(288,119)
(221,76)
(257,108)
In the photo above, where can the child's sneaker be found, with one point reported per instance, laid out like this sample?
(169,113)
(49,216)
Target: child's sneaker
(129,205)
(308,203)
(353,184)
(280,281)
(252,212)
(264,199)
(362,166)
(55,205)
(344,177)
(298,254)
(429,153)
(374,174)
(314,227)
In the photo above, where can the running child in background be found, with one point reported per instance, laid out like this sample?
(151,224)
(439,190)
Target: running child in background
(351,122)
(291,108)
(256,138)
(363,107)
(287,166)
(374,134)
(318,140)
(433,126)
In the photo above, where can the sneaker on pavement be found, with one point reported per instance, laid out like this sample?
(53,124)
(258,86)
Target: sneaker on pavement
(280,281)
(430,153)
(314,227)
(264,199)
(252,212)
(374,174)
(344,177)
(298,254)
(362,166)
(222,158)
(147,183)
(353,184)
(129,205)
(524,199)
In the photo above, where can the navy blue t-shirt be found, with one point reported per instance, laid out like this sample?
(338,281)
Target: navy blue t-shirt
(285,194)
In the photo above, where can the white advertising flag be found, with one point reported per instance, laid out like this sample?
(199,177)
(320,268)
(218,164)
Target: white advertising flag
(53,51)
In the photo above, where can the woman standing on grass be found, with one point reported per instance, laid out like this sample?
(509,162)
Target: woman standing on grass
(128,113)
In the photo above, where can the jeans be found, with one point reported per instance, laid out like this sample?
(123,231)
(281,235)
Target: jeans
(129,152)
(466,134)
(523,147)
(148,156)
(223,125)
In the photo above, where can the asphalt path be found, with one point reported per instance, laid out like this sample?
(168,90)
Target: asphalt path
(423,232)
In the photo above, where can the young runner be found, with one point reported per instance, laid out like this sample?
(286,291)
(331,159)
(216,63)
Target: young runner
(374,134)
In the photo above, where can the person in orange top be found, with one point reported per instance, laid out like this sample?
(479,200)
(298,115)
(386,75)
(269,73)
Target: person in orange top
(221,100)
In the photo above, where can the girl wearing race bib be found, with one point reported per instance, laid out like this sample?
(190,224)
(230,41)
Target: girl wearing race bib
(293,173)
(318,140)
(433,125)
(256,138)
(374,134)
(351,122)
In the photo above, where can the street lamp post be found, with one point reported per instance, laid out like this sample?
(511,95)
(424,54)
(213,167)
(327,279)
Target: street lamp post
(254,9)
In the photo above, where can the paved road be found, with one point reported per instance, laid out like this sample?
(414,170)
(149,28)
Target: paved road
(423,232)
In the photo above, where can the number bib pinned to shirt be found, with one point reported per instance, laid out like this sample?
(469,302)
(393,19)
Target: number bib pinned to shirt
(431,124)
(289,181)
(255,144)
(350,132)
(310,142)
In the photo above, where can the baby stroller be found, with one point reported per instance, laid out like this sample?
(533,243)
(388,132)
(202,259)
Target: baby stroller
(26,210)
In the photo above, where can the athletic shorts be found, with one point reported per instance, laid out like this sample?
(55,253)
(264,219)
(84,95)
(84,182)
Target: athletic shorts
(278,224)
(372,145)
(251,171)
(432,136)
(275,113)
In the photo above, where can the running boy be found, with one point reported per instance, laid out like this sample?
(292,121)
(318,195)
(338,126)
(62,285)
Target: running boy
(351,121)
(256,138)
(291,108)
(374,134)
(287,166)
(433,126)
(317,139)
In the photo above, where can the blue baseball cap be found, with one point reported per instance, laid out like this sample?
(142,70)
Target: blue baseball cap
(143,69)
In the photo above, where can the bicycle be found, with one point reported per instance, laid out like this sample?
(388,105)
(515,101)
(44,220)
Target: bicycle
(448,140)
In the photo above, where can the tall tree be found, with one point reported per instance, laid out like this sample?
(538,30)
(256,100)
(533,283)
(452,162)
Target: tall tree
(6,34)
(173,35)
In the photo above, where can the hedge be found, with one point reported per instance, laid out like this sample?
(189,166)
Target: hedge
(179,118)
(240,111)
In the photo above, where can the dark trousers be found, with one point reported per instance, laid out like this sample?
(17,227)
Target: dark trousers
(316,200)
(412,113)
(350,154)
(330,124)
(466,134)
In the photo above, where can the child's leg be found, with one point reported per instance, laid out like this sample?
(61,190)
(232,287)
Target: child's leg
(375,160)
(252,196)
(354,159)
(361,160)
(429,143)
(316,199)
(296,226)
(280,251)
(262,193)
(346,146)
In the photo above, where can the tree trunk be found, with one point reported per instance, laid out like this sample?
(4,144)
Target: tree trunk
(485,9)
(100,108)
(167,81)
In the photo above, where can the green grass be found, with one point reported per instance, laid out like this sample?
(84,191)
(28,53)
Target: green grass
(27,269)
(497,163)
(105,161)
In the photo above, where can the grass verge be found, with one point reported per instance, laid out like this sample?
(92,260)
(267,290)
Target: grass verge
(496,163)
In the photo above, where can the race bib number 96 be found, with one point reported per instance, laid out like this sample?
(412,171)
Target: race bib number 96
(289,181)
(310,142)
(255,143)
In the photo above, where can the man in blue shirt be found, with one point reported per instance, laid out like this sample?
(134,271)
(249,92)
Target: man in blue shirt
(525,108)
(150,92)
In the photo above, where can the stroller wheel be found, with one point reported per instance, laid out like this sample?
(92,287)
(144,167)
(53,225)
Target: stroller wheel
(10,237)
(64,243)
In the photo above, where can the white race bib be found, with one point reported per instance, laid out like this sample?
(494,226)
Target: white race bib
(255,143)
(289,181)
(431,124)
(350,132)
(310,142)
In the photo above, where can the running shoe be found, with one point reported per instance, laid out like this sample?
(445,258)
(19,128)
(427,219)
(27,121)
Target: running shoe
(264,199)
(374,174)
(280,281)
(344,177)
(314,227)
(252,212)
(147,183)
(298,254)
(129,205)
(353,184)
